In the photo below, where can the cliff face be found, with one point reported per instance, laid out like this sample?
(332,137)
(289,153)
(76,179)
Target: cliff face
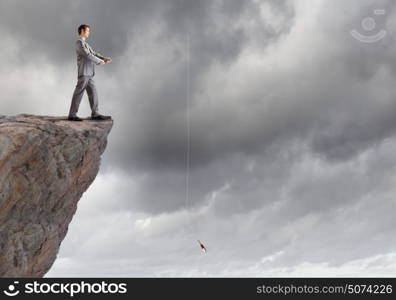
(46,164)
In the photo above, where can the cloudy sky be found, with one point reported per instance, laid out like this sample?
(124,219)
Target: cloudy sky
(264,129)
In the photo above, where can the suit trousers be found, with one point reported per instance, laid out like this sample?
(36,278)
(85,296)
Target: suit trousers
(84,83)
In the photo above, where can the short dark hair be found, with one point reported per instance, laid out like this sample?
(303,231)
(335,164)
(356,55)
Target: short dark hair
(82,27)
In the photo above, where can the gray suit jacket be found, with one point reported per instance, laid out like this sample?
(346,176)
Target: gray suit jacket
(86,58)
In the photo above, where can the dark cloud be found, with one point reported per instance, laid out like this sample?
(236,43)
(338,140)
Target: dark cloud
(319,100)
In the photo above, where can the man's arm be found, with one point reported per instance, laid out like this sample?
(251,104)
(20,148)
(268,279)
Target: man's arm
(84,51)
(97,54)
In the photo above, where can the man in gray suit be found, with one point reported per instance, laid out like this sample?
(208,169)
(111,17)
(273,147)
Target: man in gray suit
(86,60)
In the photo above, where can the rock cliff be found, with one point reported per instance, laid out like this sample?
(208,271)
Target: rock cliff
(46,164)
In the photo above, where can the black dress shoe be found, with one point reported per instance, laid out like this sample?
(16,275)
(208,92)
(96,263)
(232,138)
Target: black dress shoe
(101,117)
(74,118)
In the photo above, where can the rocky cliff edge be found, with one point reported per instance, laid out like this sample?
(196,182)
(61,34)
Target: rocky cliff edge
(46,164)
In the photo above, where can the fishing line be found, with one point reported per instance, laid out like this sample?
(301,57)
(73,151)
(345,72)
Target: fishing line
(188,151)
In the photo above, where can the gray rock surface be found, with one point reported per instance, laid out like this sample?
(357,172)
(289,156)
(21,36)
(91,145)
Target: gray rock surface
(46,164)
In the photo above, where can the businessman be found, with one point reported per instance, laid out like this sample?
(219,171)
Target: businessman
(86,60)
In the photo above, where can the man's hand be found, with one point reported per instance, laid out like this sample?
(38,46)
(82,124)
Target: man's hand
(107,59)
(102,62)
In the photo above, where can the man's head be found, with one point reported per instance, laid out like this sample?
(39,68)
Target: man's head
(83,30)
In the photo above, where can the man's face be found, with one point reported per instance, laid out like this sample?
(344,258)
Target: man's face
(85,33)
